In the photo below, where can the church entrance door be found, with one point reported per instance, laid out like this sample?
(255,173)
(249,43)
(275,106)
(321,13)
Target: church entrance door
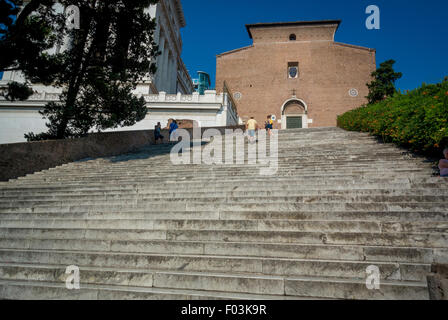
(294,114)
(293,122)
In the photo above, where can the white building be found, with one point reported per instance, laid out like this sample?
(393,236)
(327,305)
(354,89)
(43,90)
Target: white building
(208,110)
(172,75)
(168,93)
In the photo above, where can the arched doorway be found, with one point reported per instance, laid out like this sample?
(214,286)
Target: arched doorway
(294,114)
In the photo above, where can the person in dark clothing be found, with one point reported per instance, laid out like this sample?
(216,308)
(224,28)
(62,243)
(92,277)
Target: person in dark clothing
(173,127)
(158,133)
(269,125)
(443,164)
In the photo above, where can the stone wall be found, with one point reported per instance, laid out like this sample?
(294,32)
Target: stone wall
(20,159)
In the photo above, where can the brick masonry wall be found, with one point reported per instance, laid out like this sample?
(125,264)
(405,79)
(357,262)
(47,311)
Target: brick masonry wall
(20,159)
(327,71)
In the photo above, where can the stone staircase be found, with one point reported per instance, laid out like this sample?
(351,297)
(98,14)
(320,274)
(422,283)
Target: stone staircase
(140,227)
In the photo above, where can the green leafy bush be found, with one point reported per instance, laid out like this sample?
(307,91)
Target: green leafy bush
(417,120)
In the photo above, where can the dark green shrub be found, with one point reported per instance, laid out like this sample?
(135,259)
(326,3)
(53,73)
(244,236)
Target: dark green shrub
(417,119)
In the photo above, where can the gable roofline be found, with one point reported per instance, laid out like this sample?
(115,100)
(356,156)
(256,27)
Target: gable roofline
(354,46)
(234,50)
(288,24)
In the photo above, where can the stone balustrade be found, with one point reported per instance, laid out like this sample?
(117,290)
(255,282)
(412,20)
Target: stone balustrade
(210,96)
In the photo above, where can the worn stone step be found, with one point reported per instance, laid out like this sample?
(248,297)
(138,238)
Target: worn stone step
(293,151)
(243,172)
(295,156)
(205,177)
(302,183)
(216,282)
(295,159)
(38,197)
(237,167)
(435,240)
(316,179)
(182,186)
(254,249)
(229,200)
(163,206)
(271,192)
(329,164)
(52,193)
(246,225)
(304,189)
(355,290)
(362,178)
(221,264)
(32,290)
(324,169)
(403,239)
(391,216)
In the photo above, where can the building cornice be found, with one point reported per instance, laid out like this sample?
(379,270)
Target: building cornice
(180,13)
(290,24)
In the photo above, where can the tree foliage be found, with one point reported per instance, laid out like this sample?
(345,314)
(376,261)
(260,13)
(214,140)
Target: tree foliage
(383,85)
(8,9)
(24,41)
(97,66)
(16,91)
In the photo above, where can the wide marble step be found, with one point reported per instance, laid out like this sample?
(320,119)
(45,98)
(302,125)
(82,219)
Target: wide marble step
(276,286)
(253,249)
(395,239)
(402,271)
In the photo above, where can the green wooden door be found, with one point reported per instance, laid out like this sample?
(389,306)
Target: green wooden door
(294,122)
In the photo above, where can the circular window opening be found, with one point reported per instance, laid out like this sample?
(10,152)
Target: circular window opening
(292,37)
(353,93)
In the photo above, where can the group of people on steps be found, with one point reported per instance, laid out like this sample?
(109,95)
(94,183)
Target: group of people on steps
(252,127)
(172,129)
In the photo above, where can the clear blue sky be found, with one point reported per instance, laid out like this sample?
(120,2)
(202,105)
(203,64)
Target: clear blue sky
(413,32)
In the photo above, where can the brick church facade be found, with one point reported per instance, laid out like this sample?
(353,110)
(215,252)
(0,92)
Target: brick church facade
(296,72)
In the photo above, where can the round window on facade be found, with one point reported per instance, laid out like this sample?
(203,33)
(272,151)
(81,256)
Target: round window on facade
(292,37)
(353,93)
